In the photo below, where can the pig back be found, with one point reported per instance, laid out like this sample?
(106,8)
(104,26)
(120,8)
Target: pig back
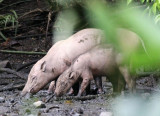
(83,41)
(102,60)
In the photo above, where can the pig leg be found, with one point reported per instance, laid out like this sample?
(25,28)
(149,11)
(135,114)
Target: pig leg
(86,91)
(125,72)
(70,92)
(83,86)
(130,79)
(117,81)
(52,87)
(86,76)
(98,82)
(121,83)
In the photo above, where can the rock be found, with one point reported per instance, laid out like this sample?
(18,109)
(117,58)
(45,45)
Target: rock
(32,115)
(76,114)
(39,104)
(106,114)
(80,110)
(12,100)
(2,99)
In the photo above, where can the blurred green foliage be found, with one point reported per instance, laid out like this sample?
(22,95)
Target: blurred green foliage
(152,7)
(8,19)
(108,17)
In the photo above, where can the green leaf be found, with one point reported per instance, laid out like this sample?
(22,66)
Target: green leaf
(15,14)
(128,2)
(142,1)
(158,1)
(154,8)
(157,18)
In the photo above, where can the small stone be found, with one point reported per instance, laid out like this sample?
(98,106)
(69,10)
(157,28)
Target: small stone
(80,110)
(2,99)
(76,114)
(12,100)
(32,115)
(39,104)
(106,114)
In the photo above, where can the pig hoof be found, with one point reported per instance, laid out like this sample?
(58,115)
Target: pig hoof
(49,93)
(100,92)
(79,95)
(70,94)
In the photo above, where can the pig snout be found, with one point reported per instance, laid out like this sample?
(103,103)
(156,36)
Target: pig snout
(58,91)
(23,93)
(57,94)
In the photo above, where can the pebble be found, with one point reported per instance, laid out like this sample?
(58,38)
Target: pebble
(76,114)
(2,99)
(106,114)
(12,100)
(39,104)
(32,115)
(80,110)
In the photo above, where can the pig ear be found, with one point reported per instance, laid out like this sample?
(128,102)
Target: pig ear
(71,75)
(43,66)
(67,62)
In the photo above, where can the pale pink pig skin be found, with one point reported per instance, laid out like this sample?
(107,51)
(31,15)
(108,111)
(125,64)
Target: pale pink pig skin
(59,58)
(100,61)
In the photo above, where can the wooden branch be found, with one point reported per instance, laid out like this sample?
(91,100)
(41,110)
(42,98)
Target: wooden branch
(23,52)
(32,11)
(25,65)
(48,22)
(88,97)
(13,72)
(15,3)
(28,36)
(9,88)
(10,27)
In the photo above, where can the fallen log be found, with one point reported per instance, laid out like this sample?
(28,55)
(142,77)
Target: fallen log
(23,52)
(13,72)
(26,65)
(9,88)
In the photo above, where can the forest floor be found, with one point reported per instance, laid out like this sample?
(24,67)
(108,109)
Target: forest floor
(31,37)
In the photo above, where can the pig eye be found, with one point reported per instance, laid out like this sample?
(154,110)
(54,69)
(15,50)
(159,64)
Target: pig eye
(70,74)
(33,78)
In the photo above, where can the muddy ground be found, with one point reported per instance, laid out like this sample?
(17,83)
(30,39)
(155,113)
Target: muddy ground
(14,105)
